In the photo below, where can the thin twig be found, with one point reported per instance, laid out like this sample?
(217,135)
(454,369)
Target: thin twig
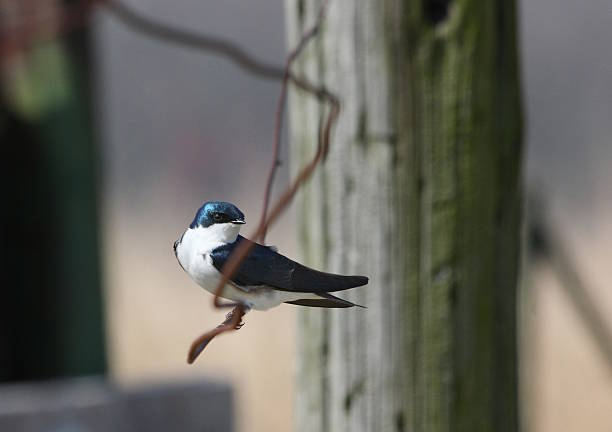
(244,248)
(185,38)
(280,109)
(232,322)
(236,258)
(20,38)
(72,17)
(216,45)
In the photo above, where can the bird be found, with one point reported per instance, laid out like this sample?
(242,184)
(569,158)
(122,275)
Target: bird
(265,279)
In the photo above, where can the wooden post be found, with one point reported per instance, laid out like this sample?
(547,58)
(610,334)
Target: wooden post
(420,192)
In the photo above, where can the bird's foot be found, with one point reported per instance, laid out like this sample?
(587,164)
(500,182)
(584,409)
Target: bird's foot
(240,309)
(228,320)
(233,321)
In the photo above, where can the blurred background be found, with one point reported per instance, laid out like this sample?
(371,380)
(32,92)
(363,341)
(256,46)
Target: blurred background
(112,140)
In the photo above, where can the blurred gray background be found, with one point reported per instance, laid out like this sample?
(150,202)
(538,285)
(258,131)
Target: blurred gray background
(180,127)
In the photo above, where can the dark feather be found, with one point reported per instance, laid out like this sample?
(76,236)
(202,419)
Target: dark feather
(264,266)
(329,301)
(176,245)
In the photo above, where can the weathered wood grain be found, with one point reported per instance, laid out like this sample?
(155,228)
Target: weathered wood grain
(420,192)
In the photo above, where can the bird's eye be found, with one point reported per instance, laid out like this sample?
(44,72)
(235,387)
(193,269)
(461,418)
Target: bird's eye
(217,217)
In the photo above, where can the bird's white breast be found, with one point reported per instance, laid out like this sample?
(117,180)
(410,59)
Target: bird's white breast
(193,253)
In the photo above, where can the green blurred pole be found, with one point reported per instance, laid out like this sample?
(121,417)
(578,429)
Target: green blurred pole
(51,320)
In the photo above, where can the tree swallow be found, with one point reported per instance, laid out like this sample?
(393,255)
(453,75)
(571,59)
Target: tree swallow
(265,278)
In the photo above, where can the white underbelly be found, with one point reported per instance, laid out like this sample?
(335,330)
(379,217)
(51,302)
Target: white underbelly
(202,271)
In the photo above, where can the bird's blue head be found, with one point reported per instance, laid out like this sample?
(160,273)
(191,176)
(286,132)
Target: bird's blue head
(217,212)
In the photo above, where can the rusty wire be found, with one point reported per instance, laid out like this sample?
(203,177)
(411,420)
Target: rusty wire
(199,41)
(244,248)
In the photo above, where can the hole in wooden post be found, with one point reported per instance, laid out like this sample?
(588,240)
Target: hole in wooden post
(399,422)
(348,399)
(435,10)
(301,9)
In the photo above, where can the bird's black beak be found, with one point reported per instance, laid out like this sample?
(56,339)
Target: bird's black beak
(238,222)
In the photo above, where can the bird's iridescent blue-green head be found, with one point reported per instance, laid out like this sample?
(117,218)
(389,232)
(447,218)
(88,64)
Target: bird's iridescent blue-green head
(217,212)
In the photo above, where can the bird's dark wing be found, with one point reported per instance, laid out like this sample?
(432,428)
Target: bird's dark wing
(265,266)
(325,301)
